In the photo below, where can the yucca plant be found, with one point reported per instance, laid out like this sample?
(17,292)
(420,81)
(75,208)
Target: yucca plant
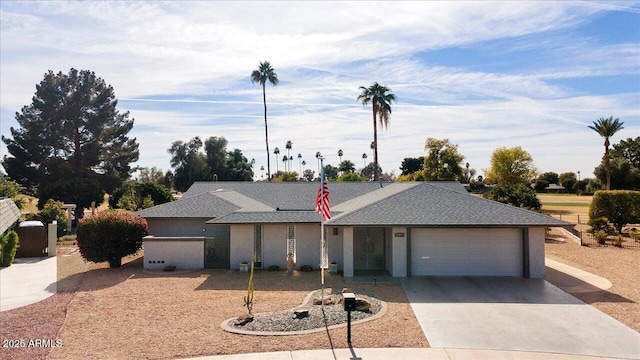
(248,300)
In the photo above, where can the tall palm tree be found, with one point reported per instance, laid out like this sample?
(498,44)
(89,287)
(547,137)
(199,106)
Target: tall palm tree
(299,163)
(364,159)
(380,98)
(264,74)
(607,128)
(276,152)
(340,153)
(285,159)
(289,145)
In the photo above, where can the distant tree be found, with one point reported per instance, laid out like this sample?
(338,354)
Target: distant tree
(265,73)
(540,185)
(13,190)
(468,173)
(364,159)
(152,174)
(291,176)
(380,97)
(238,167)
(350,177)
(53,211)
(442,161)
(619,207)
(289,146)
(189,163)
(411,165)
(519,195)
(550,177)
(71,129)
(628,149)
(368,171)
(215,149)
(330,172)
(510,166)
(623,176)
(346,166)
(79,191)
(138,192)
(308,175)
(340,153)
(276,152)
(607,128)
(567,180)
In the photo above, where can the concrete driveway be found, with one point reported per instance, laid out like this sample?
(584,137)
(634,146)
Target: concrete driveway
(515,314)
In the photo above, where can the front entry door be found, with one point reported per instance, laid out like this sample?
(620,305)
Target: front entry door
(368,248)
(216,253)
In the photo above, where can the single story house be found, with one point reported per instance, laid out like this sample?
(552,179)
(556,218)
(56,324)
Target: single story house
(403,229)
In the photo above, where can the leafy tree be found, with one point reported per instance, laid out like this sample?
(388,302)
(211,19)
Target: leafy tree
(286,177)
(468,173)
(79,191)
(510,166)
(442,161)
(628,149)
(350,176)
(264,74)
(568,180)
(330,172)
(190,165)
(137,193)
(347,166)
(411,165)
(518,195)
(368,171)
(550,177)
(52,210)
(71,129)
(238,167)
(623,176)
(308,175)
(110,236)
(620,207)
(13,190)
(215,149)
(152,174)
(477,186)
(540,185)
(607,128)
(380,98)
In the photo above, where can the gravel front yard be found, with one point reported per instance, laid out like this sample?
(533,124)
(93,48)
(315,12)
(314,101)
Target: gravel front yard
(129,314)
(621,266)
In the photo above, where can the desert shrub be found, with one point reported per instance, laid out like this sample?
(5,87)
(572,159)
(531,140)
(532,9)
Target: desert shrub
(517,195)
(600,224)
(110,236)
(8,246)
(635,235)
(620,207)
(306,268)
(601,237)
(52,210)
(618,240)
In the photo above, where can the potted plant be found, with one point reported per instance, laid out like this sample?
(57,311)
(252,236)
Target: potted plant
(244,266)
(333,267)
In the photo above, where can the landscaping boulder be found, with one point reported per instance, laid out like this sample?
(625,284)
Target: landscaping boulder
(243,319)
(362,305)
(300,313)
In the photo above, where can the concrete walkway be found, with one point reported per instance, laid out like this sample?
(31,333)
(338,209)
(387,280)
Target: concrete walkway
(574,280)
(27,281)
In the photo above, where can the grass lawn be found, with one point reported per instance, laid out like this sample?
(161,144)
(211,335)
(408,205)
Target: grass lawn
(568,207)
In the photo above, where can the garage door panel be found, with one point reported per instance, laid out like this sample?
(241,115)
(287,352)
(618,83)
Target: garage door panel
(466,252)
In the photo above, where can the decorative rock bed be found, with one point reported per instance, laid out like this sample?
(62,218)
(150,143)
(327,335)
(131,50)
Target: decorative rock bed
(291,322)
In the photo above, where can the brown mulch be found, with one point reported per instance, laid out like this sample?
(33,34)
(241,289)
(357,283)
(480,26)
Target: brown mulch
(621,266)
(127,313)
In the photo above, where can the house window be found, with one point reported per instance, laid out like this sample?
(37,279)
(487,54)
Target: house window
(257,245)
(291,241)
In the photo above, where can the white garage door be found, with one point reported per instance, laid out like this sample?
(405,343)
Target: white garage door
(466,252)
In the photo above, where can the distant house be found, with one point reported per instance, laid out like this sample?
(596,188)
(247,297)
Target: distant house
(403,229)
(554,188)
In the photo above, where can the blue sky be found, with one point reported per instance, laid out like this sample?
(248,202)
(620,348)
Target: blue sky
(485,75)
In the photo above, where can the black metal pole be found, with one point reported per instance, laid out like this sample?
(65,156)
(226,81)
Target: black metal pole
(349,327)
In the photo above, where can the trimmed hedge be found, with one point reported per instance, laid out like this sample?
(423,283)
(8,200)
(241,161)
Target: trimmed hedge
(9,244)
(110,236)
(619,207)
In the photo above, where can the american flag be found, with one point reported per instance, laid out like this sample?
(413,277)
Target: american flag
(322,201)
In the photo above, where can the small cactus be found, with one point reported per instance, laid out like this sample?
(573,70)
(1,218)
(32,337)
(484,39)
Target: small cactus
(248,300)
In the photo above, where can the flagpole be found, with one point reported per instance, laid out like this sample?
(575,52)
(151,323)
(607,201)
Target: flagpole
(322,239)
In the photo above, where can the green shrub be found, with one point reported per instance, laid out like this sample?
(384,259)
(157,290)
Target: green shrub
(8,246)
(517,195)
(601,237)
(110,236)
(620,207)
(51,211)
(139,195)
(600,224)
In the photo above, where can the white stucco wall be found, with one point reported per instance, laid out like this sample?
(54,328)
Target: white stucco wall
(399,252)
(308,245)
(347,251)
(174,227)
(335,246)
(241,244)
(182,252)
(536,252)
(274,246)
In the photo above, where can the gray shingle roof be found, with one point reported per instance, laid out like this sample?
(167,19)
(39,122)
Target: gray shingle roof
(205,205)
(268,217)
(9,214)
(432,205)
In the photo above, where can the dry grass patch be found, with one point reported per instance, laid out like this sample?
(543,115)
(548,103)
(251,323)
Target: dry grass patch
(621,266)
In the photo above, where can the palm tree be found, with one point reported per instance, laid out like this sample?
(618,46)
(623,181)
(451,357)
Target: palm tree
(607,128)
(265,73)
(299,163)
(289,145)
(364,159)
(380,98)
(276,152)
(284,160)
(346,166)
(340,153)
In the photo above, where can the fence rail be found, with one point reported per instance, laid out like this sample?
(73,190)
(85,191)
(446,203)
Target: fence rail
(588,239)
